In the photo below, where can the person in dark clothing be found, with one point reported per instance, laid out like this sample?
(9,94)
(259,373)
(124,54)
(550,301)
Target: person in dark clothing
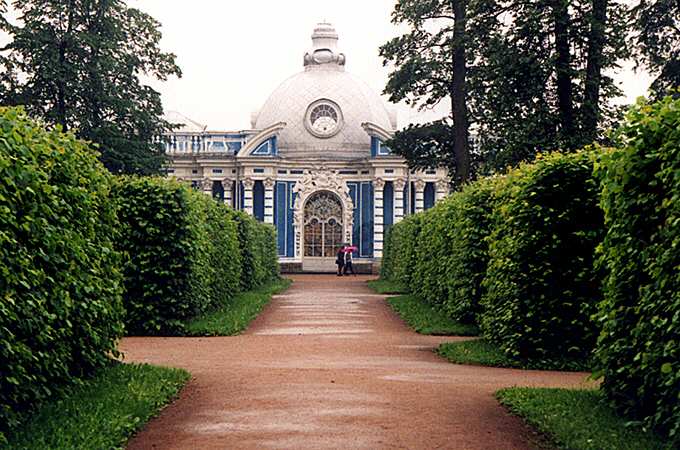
(340,260)
(348,263)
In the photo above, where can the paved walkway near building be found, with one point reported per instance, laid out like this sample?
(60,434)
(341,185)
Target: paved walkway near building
(329,365)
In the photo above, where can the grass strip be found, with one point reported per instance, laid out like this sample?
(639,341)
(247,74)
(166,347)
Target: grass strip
(386,287)
(479,352)
(426,320)
(102,412)
(235,316)
(577,419)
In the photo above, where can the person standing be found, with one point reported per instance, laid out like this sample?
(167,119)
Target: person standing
(340,260)
(348,262)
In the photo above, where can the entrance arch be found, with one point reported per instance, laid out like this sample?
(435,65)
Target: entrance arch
(323,194)
(323,225)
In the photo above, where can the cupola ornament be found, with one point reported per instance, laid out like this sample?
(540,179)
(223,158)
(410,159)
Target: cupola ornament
(324,52)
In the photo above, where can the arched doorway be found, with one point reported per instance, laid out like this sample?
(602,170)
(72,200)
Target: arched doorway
(323,231)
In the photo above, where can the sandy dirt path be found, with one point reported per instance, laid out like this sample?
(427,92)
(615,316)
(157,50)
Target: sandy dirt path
(328,365)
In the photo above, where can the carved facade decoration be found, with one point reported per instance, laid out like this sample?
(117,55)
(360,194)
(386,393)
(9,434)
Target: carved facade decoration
(379,184)
(207,185)
(442,187)
(269,183)
(248,183)
(316,181)
(399,184)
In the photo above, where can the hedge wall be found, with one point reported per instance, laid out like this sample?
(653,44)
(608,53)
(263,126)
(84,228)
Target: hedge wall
(187,254)
(258,247)
(225,257)
(452,251)
(401,251)
(639,347)
(61,311)
(183,254)
(540,286)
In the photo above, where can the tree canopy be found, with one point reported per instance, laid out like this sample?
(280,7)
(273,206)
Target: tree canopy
(657,42)
(79,63)
(430,65)
(537,75)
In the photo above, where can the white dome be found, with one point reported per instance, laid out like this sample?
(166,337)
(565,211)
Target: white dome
(324,81)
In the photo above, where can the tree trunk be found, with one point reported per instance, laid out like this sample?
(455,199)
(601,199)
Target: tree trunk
(560,13)
(62,116)
(461,148)
(61,89)
(591,104)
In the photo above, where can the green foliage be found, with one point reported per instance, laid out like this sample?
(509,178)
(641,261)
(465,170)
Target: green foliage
(61,310)
(183,251)
(430,66)
(639,347)
(452,251)
(79,64)
(401,251)
(103,412)
(540,81)
(225,258)
(540,289)
(167,274)
(259,251)
(188,255)
(232,318)
(426,320)
(577,420)
(655,43)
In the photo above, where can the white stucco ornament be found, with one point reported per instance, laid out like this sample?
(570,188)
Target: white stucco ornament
(321,180)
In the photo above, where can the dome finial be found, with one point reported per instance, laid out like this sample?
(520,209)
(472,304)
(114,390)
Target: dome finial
(324,48)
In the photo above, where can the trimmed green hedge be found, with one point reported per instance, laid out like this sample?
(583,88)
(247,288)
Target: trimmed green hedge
(401,251)
(183,254)
(61,310)
(452,251)
(639,347)
(187,254)
(540,289)
(257,243)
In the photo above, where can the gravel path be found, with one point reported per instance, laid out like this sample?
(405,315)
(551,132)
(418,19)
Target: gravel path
(328,365)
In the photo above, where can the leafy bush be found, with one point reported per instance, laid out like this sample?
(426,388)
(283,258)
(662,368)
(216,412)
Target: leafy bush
(540,286)
(452,251)
(61,311)
(183,254)
(639,347)
(257,243)
(187,254)
(401,251)
(225,257)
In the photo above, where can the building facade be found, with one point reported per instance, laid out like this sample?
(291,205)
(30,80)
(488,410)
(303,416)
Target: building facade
(314,165)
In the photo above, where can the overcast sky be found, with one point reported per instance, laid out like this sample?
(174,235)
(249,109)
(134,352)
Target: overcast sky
(235,53)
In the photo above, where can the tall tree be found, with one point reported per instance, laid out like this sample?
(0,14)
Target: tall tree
(542,77)
(657,42)
(594,61)
(430,66)
(77,64)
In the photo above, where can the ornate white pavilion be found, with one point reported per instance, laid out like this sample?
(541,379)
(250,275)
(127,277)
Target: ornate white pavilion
(314,164)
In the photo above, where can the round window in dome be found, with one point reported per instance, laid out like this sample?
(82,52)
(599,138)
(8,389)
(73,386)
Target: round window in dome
(324,118)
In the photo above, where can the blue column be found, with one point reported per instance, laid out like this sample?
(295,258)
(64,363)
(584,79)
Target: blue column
(258,200)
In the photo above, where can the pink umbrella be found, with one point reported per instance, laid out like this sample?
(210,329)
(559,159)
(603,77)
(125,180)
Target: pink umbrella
(351,248)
